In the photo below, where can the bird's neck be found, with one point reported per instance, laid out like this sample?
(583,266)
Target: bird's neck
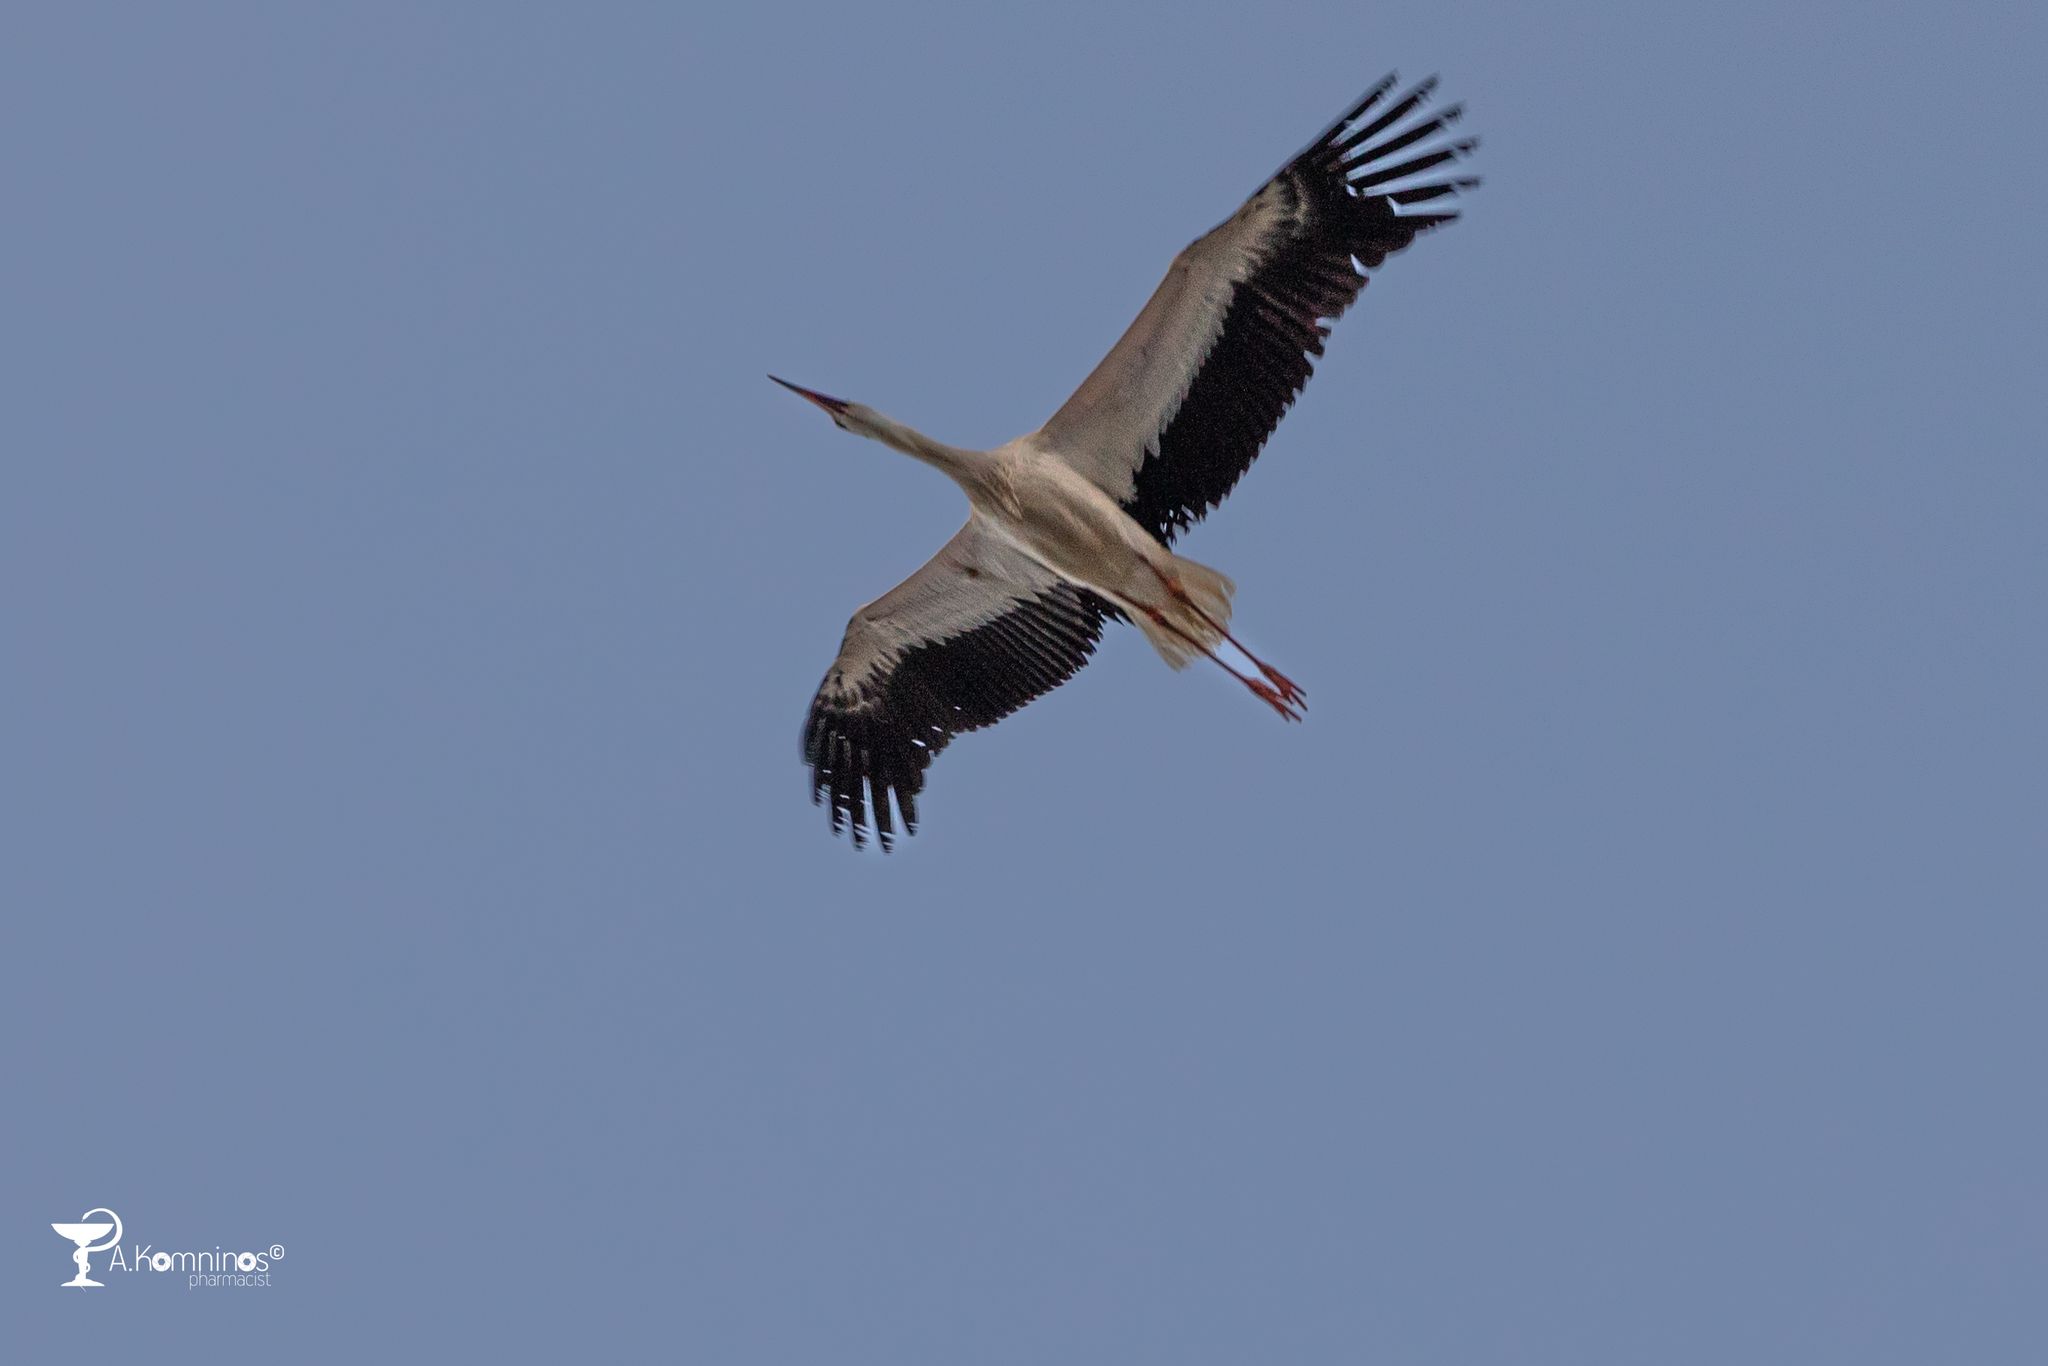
(965,466)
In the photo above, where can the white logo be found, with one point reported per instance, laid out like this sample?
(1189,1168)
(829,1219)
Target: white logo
(215,1268)
(86,1234)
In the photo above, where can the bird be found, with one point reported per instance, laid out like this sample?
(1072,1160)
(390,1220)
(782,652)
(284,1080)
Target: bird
(1072,525)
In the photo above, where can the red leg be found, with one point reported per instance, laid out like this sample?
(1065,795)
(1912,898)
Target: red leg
(1289,690)
(1287,704)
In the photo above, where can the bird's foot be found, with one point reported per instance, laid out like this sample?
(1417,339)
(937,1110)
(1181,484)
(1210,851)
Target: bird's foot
(1289,706)
(1285,685)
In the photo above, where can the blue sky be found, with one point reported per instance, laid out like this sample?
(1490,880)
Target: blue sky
(412,589)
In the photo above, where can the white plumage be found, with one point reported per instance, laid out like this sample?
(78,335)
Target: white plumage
(1072,524)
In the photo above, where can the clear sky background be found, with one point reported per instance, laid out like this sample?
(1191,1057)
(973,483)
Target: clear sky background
(410,591)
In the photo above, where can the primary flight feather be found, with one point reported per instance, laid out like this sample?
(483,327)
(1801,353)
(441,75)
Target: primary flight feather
(1072,524)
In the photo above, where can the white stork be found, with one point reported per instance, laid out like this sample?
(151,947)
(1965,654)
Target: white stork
(1071,524)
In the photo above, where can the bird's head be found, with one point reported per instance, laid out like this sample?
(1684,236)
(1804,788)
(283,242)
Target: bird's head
(857,418)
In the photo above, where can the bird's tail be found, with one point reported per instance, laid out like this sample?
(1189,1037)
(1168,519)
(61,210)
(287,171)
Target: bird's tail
(1182,630)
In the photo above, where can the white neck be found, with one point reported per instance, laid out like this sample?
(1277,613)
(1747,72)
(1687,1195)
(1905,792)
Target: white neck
(965,466)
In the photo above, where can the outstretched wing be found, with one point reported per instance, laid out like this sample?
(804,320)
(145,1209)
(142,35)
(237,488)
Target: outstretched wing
(1177,411)
(977,632)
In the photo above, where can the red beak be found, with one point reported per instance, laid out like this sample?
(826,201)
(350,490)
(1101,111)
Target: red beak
(834,406)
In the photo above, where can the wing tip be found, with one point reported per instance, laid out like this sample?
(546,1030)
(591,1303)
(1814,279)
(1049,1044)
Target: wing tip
(869,747)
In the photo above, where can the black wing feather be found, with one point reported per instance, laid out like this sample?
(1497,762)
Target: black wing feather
(869,743)
(1276,322)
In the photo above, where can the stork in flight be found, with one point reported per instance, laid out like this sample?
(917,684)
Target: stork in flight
(1071,524)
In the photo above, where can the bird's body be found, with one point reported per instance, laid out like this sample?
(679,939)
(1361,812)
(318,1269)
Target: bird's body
(1034,498)
(1029,497)
(1071,524)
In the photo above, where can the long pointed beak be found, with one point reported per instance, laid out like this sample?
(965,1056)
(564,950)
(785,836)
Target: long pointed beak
(834,406)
